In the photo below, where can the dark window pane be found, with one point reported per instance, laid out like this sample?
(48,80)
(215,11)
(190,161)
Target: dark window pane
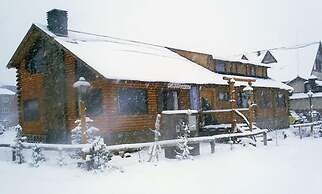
(280,100)
(93,102)
(31,110)
(132,101)
(242,100)
(220,66)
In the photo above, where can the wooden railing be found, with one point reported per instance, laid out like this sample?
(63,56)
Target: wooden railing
(164,143)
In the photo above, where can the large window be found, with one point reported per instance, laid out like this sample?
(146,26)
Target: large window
(168,100)
(31,110)
(280,101)
(132,101)
(94,102)
(264,99)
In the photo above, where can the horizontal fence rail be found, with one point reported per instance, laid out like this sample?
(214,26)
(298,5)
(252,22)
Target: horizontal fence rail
(123,147)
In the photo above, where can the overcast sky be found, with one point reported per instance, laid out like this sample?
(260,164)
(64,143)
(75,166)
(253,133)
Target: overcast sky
(218,27)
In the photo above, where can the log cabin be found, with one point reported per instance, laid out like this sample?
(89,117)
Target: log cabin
(131,82)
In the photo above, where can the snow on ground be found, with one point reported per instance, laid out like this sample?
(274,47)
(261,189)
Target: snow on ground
(292,166)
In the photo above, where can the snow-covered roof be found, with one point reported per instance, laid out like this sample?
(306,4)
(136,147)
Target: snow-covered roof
(252,58)
(304,95)
(291,62)
(4,91)
(121,59)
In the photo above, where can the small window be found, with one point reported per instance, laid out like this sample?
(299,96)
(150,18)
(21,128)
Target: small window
(93,103)
(252,71)
(242,100)
(132,101)
(5,99)
(223,96)
(31,110)
(220,66)
(280,100)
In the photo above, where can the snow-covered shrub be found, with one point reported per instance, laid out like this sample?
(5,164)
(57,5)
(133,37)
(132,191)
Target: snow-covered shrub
(76,133)
(98,155)
(37,156)
(18,130)
(155,149)
(61,158)
(18,150)
(184,148)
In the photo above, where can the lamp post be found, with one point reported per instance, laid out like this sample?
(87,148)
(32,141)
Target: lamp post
(310,95)
(82,87)
(249,91)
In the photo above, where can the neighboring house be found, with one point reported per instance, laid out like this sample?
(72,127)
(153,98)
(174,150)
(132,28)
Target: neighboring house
(270,96)
(299,67)
(131,83)
(8,106)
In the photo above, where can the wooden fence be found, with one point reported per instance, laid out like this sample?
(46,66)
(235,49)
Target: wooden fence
(164,143)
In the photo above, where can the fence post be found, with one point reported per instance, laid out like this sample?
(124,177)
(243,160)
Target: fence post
(265,138)
(300,132)
(212,146)
(13,154)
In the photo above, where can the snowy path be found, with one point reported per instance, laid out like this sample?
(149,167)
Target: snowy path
(294,166)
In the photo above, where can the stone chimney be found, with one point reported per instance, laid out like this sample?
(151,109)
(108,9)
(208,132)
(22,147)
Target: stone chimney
(57,22)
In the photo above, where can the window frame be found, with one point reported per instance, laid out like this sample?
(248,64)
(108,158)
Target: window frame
(123,111)
(31,115)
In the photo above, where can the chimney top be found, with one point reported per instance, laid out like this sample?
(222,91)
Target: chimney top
(57,22)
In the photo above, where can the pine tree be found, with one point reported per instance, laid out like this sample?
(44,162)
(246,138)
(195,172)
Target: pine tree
(18,149)
(37,156)
(184,148)
(76,133)
(98,155)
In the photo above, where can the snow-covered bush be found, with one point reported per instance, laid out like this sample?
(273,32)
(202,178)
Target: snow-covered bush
(18,150)
(61,158)
(18,130)
(98,155)
(37,156)
(184,148)
(76,133)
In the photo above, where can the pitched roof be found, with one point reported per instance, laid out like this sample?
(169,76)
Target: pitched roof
(120,59)
(4,91)
(286,63)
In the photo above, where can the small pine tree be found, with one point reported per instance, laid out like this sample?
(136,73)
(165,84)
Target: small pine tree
(18,150)
(76,133)
(18,130)
(184,148)
(37,156)
(98,155)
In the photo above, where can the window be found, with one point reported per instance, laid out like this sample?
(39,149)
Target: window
(31,110)
(242,100)
(223,96)
(265,99)
(168,100)
(5,99)
(220,66)
(35,59)
(132,101)
(252,71)
(93,102)
(280,100)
